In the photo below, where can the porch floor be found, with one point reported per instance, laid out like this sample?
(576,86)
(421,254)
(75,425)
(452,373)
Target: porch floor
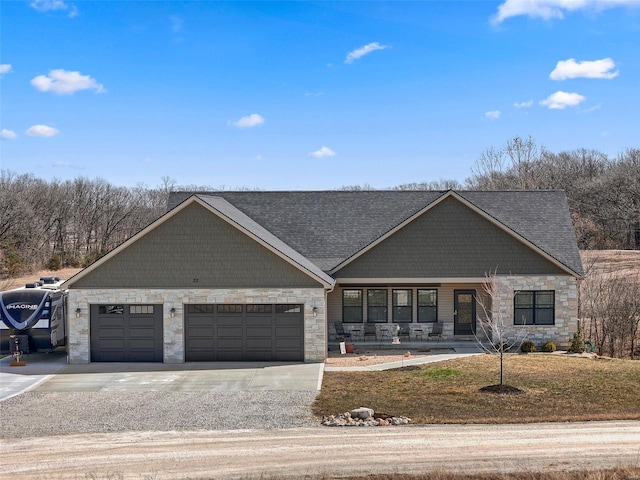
(458,345)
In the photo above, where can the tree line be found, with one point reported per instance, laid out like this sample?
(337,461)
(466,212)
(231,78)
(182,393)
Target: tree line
(68,223)
(54,223)
(603,193)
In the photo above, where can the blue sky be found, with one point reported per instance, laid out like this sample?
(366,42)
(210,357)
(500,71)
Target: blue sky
(309,95)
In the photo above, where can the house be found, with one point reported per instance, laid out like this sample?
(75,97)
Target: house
(265,275)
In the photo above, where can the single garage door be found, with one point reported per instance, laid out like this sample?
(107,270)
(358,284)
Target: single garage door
(224,332)
(126,333)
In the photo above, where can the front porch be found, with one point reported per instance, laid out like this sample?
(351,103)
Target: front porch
(467,344)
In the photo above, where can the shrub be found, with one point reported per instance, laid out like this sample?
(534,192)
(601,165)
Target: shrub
(72,262)
(528,347)
(55,262)
(577,343)
(548,347)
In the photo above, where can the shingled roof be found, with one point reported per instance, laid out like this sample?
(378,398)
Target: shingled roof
(328,227)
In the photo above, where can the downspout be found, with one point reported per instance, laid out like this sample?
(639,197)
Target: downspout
(327,291)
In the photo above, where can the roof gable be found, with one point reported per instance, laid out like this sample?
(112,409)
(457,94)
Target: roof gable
(447,239)
(212,246)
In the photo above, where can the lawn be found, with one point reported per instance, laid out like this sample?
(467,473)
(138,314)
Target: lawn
(555,388)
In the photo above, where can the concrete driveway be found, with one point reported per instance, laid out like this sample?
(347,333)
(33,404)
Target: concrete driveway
(50,373)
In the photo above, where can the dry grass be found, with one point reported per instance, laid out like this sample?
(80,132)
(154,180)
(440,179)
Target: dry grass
(64,273)
(616,262)
(621,473)
(556,388)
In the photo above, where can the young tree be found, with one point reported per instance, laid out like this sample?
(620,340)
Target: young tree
(494,327)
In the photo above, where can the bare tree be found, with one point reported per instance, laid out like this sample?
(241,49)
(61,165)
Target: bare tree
(493,325)
(610,309)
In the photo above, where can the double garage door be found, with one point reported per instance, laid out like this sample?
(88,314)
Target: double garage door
(213,332)
(224,332)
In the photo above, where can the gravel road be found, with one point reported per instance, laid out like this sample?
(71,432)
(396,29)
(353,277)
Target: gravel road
(294,453)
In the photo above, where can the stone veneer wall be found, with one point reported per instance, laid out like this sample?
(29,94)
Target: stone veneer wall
(315,334)
(566,305)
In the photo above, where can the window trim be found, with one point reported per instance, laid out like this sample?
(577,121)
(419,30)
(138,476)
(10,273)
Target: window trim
(344,318)
(534,308)
(434,306)
(409,307)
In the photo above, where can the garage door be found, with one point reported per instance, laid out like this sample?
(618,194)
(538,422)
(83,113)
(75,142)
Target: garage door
(126,333)
(225,332)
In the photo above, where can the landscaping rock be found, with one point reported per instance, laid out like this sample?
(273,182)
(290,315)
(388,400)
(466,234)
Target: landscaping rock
(349,419)
(363,413)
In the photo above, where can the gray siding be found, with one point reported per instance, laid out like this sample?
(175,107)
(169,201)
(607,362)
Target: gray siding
(450,240)
(195,249)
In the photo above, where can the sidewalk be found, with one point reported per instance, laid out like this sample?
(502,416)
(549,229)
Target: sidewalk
(405,362)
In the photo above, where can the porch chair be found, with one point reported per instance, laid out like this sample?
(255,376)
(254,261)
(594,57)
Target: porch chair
(385,335)
(340,333)
(369,332)
(404,333)
(436,331)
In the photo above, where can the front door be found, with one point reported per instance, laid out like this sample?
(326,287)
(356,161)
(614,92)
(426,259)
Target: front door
(464,315)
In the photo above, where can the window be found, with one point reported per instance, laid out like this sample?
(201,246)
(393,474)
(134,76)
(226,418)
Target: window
(200,308)
(141,309)
(428,305)
(534,307)
(352,306)
(229,308)
(376,305)
(258,308)
(286,308)
(111,309)
(402,306)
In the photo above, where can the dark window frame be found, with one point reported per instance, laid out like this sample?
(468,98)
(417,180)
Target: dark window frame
(532,313)
(347,318)
(427,313)
(399,312)
(377,310)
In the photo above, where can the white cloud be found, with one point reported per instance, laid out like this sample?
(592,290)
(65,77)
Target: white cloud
(249,121)
(60,163)
(64,82)
(362,51)
(323,152)
(549,9)
(54,5)
(7,134)
(492,115)
(560,100)
(4,68)
(526,104)
(588,69)
(42,131)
